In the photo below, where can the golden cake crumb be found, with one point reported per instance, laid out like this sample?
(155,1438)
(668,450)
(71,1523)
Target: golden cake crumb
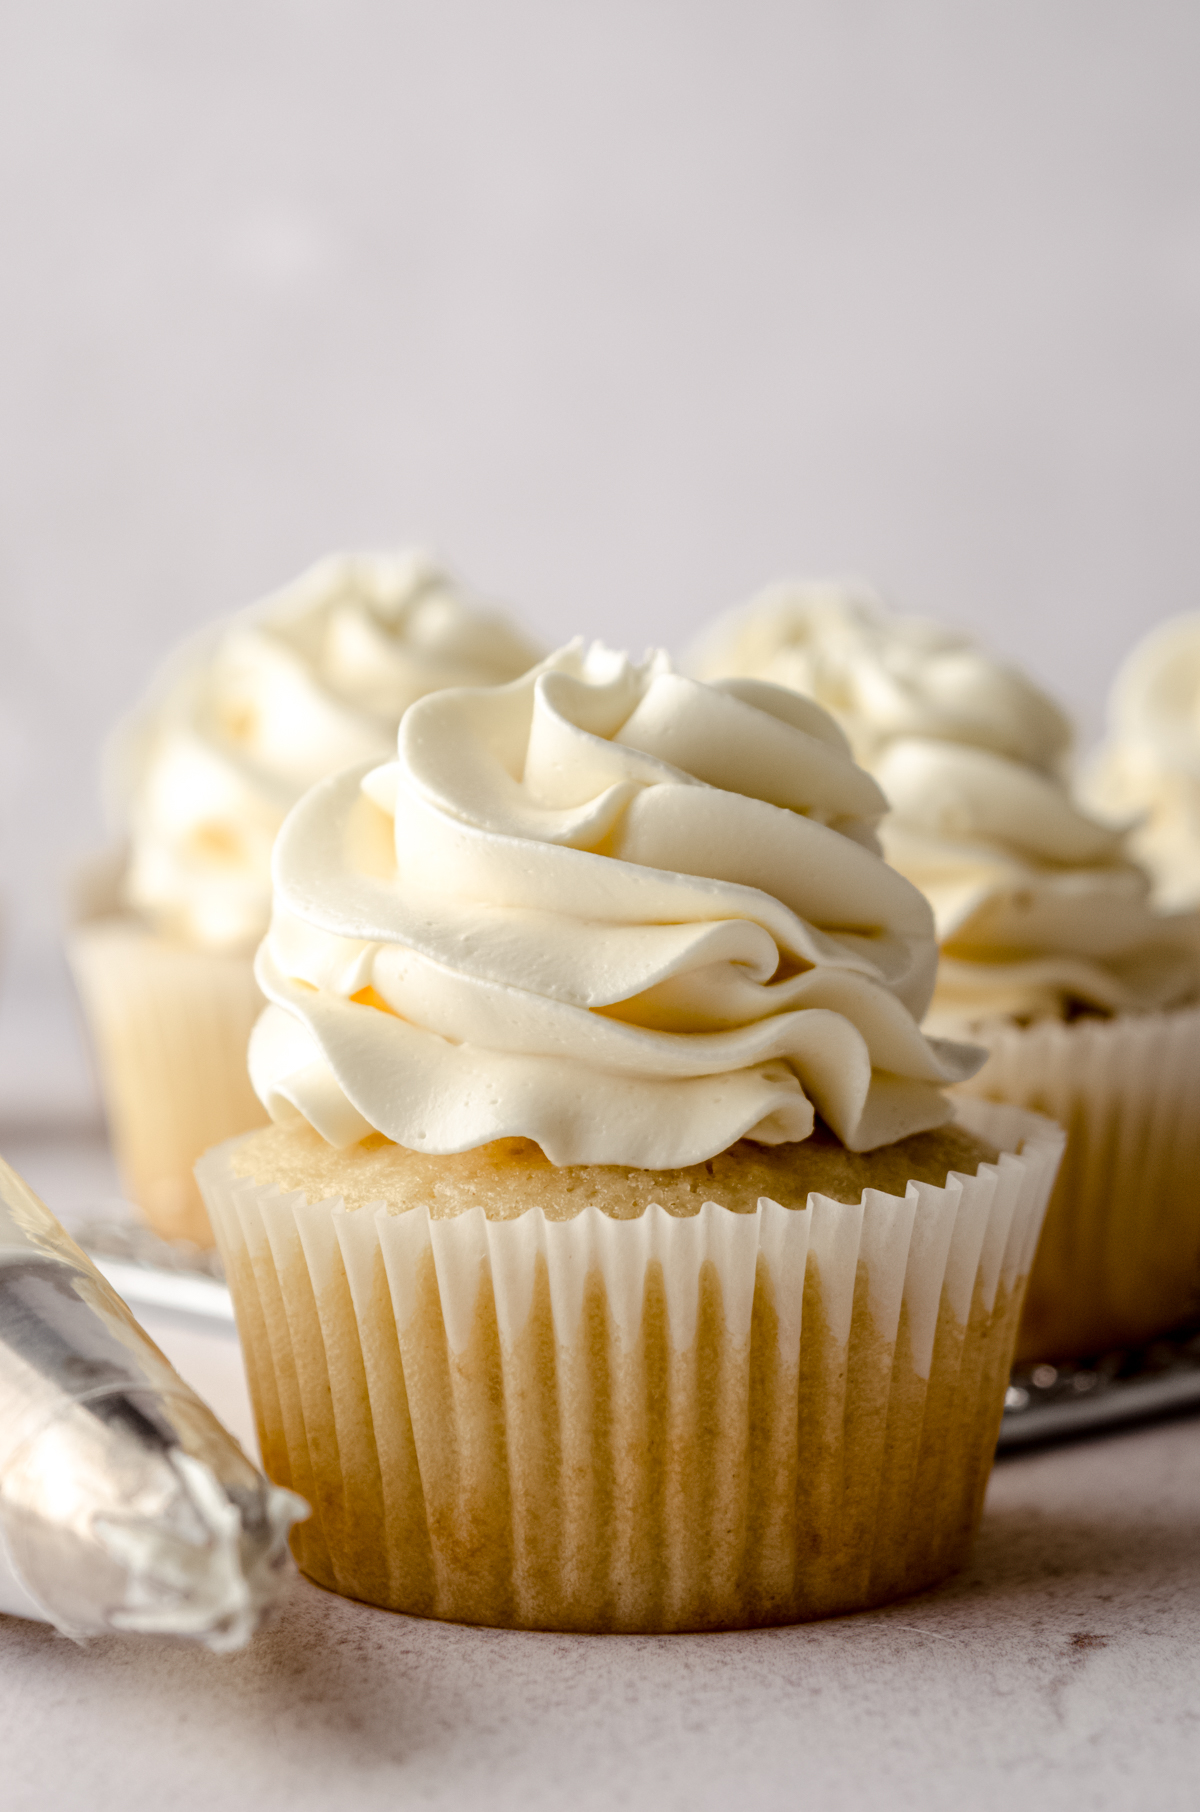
(510,1175)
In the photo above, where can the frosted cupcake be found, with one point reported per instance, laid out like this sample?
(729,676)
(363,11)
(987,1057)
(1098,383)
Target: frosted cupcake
(613,1261)
(1147,774)
(1053,954)
(239,724)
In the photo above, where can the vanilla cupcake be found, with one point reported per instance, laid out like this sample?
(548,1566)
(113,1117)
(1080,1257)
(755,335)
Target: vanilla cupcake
(238,725)
(614,1261)
(1053,954)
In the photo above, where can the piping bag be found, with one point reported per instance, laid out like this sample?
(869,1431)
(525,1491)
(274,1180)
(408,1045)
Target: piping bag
(124,1504)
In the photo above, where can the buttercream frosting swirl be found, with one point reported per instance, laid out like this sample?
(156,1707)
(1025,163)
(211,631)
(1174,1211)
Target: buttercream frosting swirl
(607,908)
(247,716)
(883,675)
(1039,910)
(1039,913)
(1147,772)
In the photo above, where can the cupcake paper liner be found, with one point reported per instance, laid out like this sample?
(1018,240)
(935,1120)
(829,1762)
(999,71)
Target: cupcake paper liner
(659,1424)
(169,1027)
(1119,1258)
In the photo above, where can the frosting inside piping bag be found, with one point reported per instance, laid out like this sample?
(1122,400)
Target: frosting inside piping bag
(607,908)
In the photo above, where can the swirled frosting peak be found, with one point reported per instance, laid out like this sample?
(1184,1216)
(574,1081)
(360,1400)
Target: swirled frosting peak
(251,713)
(1148,771)
(607,908)
(1039,912)
(884,675)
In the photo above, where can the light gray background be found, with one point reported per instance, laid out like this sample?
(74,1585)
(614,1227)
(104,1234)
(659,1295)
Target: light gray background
(626,307)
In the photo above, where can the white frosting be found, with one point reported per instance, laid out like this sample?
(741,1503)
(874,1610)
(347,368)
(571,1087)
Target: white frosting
(1148,771)
(607,908)
(194,1573)
(883,675)
(251,713)
(1039,911)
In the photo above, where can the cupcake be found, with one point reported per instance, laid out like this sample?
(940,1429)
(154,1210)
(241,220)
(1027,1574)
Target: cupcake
(1147,773)
(238,725)
(615,1259)
(1053,953)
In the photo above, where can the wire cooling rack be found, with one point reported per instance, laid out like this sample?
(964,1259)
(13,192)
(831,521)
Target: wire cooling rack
(1079,1397)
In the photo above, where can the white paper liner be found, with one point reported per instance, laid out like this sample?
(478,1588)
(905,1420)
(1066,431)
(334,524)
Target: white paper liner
(170,1027)
(657,1424)
(1119,1257)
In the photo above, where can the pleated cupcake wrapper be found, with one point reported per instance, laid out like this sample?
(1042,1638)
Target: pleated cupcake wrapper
(665,1423)
(1119,1259)
(169,1027)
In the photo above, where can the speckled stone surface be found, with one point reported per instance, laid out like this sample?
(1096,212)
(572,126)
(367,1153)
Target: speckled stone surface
(1059,1671)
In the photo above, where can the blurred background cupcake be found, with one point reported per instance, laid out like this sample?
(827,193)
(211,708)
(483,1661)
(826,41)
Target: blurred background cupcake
(1146,775)
(237,725)
(1053,953)
(882,675)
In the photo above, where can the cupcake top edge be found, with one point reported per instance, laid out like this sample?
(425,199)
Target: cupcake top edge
(250,712)
(606,907)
